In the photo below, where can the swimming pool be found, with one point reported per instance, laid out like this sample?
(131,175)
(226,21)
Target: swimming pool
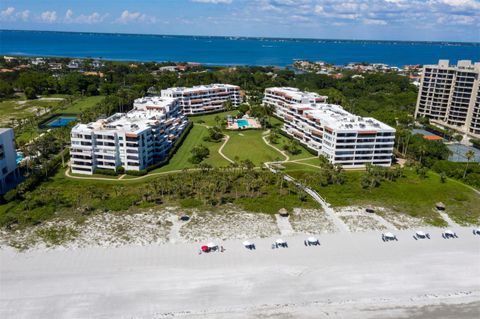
(243,123)
(19,157)
(60,121)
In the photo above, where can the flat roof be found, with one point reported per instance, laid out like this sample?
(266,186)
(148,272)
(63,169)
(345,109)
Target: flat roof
(154,102)
(335,117)
(297,94)
(147,111)
(202,87)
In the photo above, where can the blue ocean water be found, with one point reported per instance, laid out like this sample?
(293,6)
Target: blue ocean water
(229,50)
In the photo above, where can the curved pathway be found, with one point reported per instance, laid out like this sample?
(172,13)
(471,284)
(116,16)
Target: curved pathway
(120,179)
(287,158)
(220,150)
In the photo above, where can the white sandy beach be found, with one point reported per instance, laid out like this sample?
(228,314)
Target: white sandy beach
(351,275)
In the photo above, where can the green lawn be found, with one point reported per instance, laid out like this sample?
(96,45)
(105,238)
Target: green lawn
(298,167)
(82,104)
(282,140)
(209,119)
(275,122)
(195,137)
(409,194)
(250,145)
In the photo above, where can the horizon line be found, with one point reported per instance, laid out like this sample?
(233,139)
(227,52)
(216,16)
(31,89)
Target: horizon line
(247,37)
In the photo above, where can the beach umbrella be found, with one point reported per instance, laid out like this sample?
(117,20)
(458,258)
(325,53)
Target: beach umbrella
(312,239)
(247,243)
(283,212)
(280,241)
(204,248)
(369,209)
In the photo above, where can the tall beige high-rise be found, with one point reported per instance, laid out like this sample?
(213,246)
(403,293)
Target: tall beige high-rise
(449,95)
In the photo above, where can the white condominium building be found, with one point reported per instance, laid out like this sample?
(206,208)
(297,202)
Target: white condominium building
(340,136)
(133,140)
(449,95)
(9,174)
(204,98)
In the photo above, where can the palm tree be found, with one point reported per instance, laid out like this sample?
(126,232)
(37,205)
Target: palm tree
(469,155)
(422,150)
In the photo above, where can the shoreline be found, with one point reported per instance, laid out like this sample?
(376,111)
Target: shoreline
(241,37)
(350,273)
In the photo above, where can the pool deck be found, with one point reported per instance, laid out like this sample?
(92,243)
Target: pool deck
(252,124)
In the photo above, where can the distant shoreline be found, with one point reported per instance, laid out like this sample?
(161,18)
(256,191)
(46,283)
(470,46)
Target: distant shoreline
(233,37)
(229,51)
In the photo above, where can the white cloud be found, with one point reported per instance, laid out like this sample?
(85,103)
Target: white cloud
(456,20)
(213,1)
(7,14)
(24,15)
(374,22)
(49,16)
(92,18)
(10,14)
(127,17)
(462,4)
(69,15)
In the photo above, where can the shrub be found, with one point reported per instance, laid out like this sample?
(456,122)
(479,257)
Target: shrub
(214,135)
(109,172)
(141,172)
(199,153)
(30,93)
(121,170)
(475,142)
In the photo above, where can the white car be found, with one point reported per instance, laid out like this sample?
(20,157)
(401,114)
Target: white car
(476,231)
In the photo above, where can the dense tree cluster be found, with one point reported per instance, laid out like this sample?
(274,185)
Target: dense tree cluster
(206,186)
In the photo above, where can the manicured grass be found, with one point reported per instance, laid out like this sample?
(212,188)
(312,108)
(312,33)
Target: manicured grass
(82,104)
(195,137)
(249,145)
(209,119)
(298,167)
(282,140)
(409,194)
(275,122)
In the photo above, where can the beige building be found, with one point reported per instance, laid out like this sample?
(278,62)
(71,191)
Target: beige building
(449,95)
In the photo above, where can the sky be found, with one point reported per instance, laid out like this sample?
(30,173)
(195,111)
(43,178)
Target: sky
(425,20)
